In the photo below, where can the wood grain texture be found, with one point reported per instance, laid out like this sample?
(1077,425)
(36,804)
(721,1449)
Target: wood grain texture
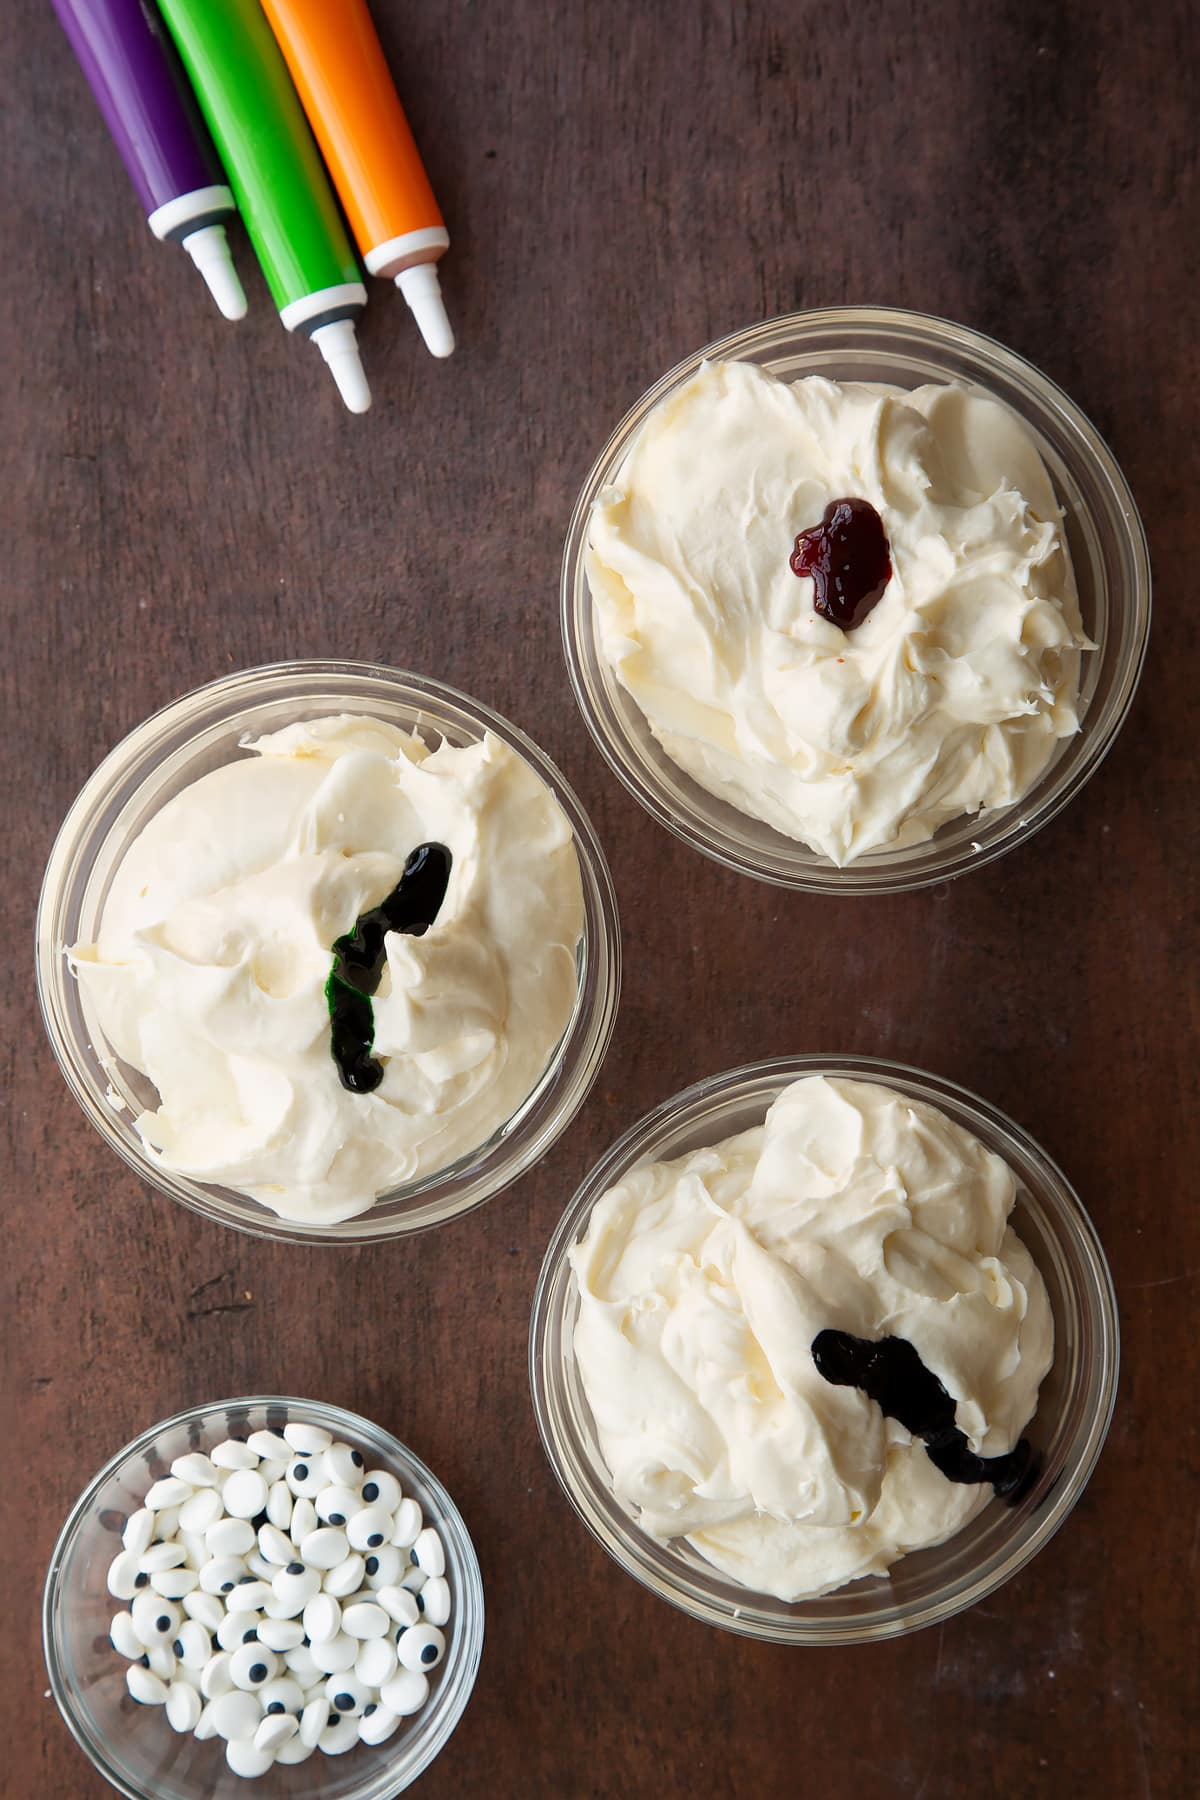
(623,182)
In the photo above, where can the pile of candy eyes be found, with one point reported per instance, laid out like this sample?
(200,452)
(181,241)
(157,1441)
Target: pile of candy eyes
(282,1597)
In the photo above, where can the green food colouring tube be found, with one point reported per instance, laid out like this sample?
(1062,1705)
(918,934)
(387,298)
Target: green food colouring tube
(276,173)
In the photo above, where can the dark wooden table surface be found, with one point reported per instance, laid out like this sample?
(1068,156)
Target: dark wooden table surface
(182,497)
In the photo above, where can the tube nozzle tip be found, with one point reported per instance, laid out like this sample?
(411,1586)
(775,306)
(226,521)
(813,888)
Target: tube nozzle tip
(422,290)
(339,346)
(209,250)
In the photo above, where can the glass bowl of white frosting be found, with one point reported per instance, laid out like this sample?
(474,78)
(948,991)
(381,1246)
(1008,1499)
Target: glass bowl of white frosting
(328,952)
(133,1746)
(700,1287)
(990,669)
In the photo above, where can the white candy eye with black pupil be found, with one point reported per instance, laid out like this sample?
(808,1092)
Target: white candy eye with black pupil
(421,1647)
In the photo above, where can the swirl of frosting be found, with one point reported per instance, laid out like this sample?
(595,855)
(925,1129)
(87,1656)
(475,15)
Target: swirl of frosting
(953,694)
(210,965)
(703,1283)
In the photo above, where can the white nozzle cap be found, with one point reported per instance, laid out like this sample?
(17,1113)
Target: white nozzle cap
(422,290)
(209,250)
(339,346)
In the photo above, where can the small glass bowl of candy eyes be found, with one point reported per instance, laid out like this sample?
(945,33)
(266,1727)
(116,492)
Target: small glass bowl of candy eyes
(373,1641)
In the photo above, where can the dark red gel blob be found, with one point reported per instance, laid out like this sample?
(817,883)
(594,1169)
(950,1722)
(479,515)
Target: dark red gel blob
(849,559)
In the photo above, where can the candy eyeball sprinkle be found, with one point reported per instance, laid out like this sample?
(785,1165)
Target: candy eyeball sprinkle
(428,1553)
(252,1666)
(336,1504)
(433,1601)
(155,1620)
(123,1638)
(382,1567)
(381,1489)
(306,1476)
(344,1466)
(307,1439)
(269,1445)
(421,1648)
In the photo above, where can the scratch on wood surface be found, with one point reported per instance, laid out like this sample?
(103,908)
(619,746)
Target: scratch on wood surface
(213,1281)
(936,1688)
(1143,1764)
(225,1306)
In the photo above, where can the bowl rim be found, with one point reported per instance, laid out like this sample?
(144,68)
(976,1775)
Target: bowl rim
(633,1549)
(443,1194)
(577,613)
(455,1689)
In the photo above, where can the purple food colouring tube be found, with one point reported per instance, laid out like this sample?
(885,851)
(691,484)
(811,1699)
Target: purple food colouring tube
(135,74)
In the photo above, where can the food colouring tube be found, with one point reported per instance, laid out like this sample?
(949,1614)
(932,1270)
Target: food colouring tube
(132,69)
(341,76)
(283,194)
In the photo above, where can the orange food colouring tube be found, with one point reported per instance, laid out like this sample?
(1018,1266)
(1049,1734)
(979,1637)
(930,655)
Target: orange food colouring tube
(347,91)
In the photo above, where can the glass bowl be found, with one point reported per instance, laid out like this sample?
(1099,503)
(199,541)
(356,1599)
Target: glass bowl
(133,1746)
(174,748)
(1107,544)
(1067,1431)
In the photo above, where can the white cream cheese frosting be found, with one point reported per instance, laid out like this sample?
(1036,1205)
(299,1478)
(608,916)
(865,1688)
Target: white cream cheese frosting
(952,695)
(214,948)
(704,1281)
